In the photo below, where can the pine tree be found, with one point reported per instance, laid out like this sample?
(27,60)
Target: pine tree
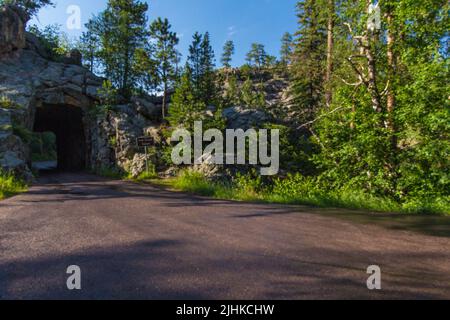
(194,59)
(201,64)
(165,55)
(89,45)
(286,48)
(257,56)
(121,30)
(228,52)
(309,54)
(185,108)
(208,90)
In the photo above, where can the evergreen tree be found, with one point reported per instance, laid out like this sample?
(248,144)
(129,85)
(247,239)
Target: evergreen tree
(309,54)
(257,56)
(208,90)
(201,64)
(88,45)
(165,55)
(185,108)
(232,92)
(194,60)
(228,52)
(121,30)
(251,96)
(286,48)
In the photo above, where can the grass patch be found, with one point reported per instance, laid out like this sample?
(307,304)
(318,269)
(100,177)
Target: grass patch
(145,176)
(298,190)
(110,172)
(10,185)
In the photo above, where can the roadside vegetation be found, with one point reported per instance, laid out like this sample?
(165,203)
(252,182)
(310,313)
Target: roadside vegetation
(298,190)
(10,185)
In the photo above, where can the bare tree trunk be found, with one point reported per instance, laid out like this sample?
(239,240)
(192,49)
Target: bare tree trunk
(330,49)
(372,69)
(372,79)
(390,92)
(391,99)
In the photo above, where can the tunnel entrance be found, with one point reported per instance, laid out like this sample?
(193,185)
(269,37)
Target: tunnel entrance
(66,122)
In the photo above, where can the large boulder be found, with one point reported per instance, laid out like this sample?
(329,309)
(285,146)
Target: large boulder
(244,118)
(146,108)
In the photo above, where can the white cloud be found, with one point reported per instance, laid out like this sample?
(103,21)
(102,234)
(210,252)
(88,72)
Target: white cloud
(232,30)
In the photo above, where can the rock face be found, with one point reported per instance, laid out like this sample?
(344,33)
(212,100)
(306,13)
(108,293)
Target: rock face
(12,30)
(243,118)
(37,94)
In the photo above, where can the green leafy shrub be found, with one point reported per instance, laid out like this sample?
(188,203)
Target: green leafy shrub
(22,132)
(56,42)
(10,185)
(43,146)
(6,103)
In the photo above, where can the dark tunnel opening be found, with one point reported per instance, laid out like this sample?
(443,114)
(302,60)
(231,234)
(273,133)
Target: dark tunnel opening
(66,123)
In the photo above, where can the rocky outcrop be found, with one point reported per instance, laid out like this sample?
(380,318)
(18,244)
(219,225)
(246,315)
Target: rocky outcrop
(33,89)
(244,118)
(12,30)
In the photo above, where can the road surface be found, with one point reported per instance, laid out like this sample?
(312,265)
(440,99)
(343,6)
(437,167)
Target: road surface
(140,242)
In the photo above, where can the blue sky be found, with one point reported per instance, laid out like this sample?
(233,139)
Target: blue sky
(243,21)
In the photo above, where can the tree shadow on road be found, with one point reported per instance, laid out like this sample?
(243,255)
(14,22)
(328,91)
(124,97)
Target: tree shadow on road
(168,269)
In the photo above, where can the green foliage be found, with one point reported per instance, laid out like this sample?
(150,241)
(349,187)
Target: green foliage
(31,7)
(165,55)
(232,91)
(228,52)
(10,185)
(307,72)
(196,89)
(43,146)
(56,42)
(121,31)
(301,190)
(150,175)
(6,103)
(295,151)
(108,99)
(194,182)
(88,45)
(201,68)
(185,108)
(287,42)
(22,132)
(252,96)
(402,154)
(257,56)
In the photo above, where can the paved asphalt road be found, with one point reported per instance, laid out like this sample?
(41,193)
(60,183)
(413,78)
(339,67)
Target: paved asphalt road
(139,242)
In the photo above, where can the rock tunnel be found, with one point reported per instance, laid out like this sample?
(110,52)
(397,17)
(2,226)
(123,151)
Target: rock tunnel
(66,122)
